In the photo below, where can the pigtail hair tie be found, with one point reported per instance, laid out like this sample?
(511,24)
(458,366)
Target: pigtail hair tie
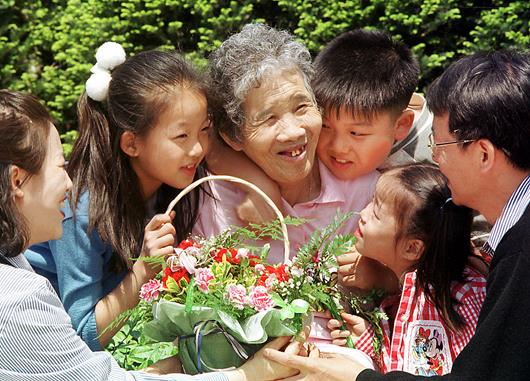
(108,56)
(446,202)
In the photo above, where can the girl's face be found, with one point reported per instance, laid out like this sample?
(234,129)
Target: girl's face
(171,151)
(376,234)
(44,194)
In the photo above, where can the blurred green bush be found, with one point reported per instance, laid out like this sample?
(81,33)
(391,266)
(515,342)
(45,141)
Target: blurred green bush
(48,47)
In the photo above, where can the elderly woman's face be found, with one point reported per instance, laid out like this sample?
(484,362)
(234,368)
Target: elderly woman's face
(282,127)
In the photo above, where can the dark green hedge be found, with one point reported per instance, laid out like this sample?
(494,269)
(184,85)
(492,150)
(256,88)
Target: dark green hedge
(48,47)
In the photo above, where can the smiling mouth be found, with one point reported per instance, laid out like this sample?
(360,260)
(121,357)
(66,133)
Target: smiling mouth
(341,161)
(294,152)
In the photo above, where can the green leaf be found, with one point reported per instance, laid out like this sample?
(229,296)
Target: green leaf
(172,285)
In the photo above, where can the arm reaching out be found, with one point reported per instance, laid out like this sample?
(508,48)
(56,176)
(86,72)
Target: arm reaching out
(159,237)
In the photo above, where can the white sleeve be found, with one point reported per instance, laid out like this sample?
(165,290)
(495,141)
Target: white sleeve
(38,342)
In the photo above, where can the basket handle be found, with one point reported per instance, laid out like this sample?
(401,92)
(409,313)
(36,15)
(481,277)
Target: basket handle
(233,179)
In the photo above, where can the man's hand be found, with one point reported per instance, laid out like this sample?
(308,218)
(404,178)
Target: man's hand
(316,368)
(258,368)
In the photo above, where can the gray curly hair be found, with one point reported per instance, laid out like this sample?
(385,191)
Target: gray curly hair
(242,62)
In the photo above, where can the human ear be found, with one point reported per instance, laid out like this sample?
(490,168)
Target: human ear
(487,154)
(414,249)
(128,144)
(403,125)
(17,178)
(236,146)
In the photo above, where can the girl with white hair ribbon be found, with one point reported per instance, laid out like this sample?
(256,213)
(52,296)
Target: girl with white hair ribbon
(143,132)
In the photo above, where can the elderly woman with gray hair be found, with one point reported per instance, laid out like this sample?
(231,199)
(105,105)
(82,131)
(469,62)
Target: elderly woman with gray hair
(267,111)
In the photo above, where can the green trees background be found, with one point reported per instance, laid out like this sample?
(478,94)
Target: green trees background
(48,47)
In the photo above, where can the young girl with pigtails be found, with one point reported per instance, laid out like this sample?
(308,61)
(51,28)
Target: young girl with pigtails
(143,132)
(413,228)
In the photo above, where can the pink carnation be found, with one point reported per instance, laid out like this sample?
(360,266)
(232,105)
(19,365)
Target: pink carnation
(260,298)
(203,276)
(150,290)
(259,268)
(237,295)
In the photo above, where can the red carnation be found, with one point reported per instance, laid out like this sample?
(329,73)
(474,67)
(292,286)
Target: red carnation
(229,253)
(187,243)
(279,272)
(176,275)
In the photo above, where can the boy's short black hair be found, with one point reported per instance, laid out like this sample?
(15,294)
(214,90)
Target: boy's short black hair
(487,96)
(365,72)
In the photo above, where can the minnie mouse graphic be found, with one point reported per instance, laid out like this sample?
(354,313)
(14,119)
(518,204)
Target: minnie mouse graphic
(427,353)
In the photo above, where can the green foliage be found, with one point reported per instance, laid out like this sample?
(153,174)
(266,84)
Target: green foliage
(68,139)
(131,349)
(244,236)
(367,307)
(48,47)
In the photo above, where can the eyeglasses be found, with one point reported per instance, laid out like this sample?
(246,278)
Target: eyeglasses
(432,145)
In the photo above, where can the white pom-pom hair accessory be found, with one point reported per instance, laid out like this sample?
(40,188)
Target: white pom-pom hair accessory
(108,56)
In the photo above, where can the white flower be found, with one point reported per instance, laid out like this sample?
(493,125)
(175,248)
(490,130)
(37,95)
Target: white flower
(194,251)
(242,253)
(296,271)
(173,262)
(188,262)
(259,268)
(109,55)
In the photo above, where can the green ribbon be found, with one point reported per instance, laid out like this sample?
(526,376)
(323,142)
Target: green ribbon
(288,310)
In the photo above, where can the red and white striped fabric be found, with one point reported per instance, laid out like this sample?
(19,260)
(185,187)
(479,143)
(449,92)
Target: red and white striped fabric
(420,342)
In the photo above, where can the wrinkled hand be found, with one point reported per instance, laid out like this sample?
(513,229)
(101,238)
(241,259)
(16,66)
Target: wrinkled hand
(258,368)
(362,273)
(356,326)
(333,367)
(356,271)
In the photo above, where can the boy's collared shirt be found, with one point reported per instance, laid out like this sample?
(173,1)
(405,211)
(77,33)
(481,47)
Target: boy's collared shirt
(511,213)
(352,195)
(420,342)
(414,148)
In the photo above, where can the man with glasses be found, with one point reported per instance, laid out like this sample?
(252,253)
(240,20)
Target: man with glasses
(481,141)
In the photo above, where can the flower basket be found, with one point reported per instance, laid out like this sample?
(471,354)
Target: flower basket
(211,339)
(220,302)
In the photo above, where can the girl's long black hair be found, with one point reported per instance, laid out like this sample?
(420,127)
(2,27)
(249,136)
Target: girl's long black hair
(423,204)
